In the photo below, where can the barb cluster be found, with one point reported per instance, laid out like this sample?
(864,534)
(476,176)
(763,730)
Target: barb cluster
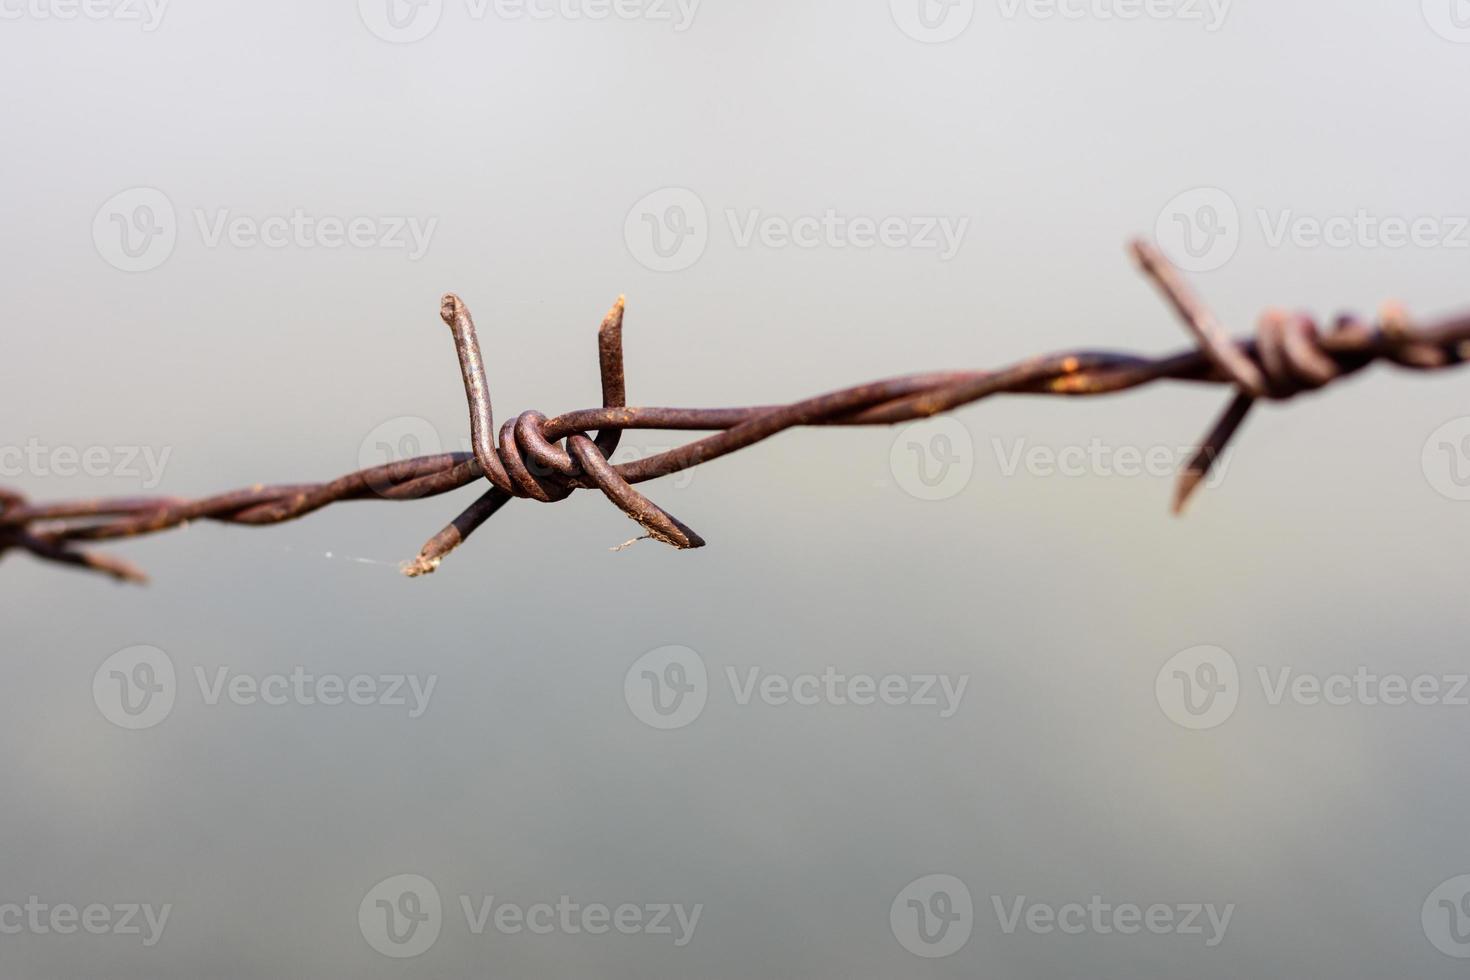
(544,459)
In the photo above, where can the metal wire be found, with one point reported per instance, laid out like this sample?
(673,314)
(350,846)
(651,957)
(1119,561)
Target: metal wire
(548,459)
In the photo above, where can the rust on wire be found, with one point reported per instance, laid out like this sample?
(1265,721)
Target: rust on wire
(546,460)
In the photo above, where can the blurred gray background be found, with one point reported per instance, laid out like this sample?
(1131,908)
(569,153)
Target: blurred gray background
(562,158)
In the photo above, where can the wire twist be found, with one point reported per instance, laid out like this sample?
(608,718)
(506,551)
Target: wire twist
(547,459)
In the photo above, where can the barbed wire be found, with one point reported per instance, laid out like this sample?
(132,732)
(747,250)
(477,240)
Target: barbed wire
(547,460)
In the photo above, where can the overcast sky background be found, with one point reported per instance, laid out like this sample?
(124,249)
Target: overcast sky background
(530,146)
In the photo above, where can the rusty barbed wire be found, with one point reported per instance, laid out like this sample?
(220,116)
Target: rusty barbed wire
(1289,355)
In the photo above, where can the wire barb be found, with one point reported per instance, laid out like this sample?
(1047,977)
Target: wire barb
(547,460)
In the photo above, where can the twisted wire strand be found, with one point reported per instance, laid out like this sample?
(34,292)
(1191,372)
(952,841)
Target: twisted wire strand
(547,459)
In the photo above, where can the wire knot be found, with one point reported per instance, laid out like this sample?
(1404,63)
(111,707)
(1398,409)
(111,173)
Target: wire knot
(1290,355)
(524,463)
